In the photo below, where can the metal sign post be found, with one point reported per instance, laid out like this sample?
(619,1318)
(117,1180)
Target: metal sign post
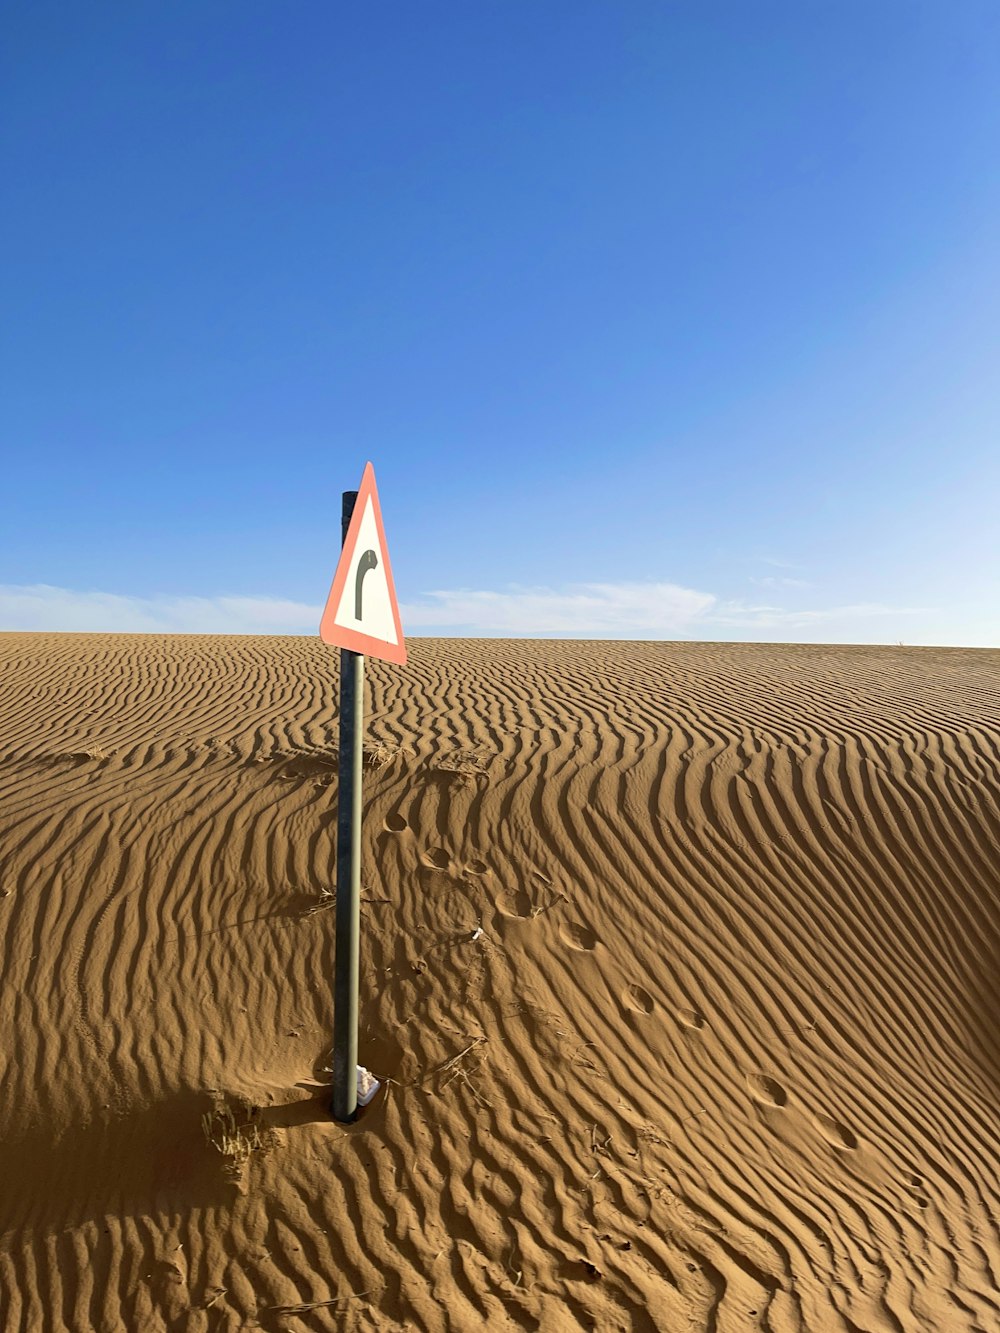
(361,618)
(345,984)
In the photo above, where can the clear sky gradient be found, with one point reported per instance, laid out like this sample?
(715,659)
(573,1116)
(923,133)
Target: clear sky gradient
(656,319)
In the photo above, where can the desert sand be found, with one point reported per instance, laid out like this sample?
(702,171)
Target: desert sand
(723,1057)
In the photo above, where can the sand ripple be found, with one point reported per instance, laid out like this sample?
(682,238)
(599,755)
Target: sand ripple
(723,1056)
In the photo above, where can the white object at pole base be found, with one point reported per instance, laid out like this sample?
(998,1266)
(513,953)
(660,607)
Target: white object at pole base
(368,1085)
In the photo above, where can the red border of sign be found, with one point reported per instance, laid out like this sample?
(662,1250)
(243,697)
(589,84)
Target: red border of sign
(336,635)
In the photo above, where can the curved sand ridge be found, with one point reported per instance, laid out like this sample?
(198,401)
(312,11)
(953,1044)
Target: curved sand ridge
(723,1057)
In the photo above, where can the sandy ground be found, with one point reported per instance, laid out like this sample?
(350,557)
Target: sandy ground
(724,1057)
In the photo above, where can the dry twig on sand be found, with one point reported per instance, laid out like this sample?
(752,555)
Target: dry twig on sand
(306,1306)
(234,1136)
(377,754)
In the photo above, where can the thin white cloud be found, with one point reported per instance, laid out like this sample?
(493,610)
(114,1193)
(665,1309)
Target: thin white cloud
(778,581)
(620,610)
(743,615)
(778,564)
(42,607)
(587,610)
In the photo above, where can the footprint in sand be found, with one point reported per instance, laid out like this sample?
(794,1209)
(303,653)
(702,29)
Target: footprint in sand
(577,936)
(638,999)
(691,1018)
(477,868)
(436,857)
(395,823)
(835,1133)
(766,1090)
(514,902)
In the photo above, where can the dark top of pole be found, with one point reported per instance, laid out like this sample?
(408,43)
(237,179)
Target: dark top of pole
(348,499)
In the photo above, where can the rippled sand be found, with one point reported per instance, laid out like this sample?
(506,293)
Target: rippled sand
(724,1056)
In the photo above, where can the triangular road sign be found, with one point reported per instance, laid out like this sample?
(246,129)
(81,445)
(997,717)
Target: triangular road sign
(361,611)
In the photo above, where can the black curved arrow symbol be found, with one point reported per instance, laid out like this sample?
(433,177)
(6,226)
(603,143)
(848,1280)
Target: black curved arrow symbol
(368,561)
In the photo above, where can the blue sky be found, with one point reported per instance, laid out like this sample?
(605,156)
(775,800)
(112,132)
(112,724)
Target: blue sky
(656,319)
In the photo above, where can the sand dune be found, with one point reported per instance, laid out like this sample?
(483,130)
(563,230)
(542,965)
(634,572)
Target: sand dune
(724,1057)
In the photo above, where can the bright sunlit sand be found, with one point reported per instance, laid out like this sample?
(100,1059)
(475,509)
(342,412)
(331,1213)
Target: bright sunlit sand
(721,1056)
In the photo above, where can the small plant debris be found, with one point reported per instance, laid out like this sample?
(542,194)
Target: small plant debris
(377,754)
(233,1129)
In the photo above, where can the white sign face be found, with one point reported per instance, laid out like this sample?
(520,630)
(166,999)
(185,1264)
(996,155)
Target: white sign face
(361,611)
(365,604)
